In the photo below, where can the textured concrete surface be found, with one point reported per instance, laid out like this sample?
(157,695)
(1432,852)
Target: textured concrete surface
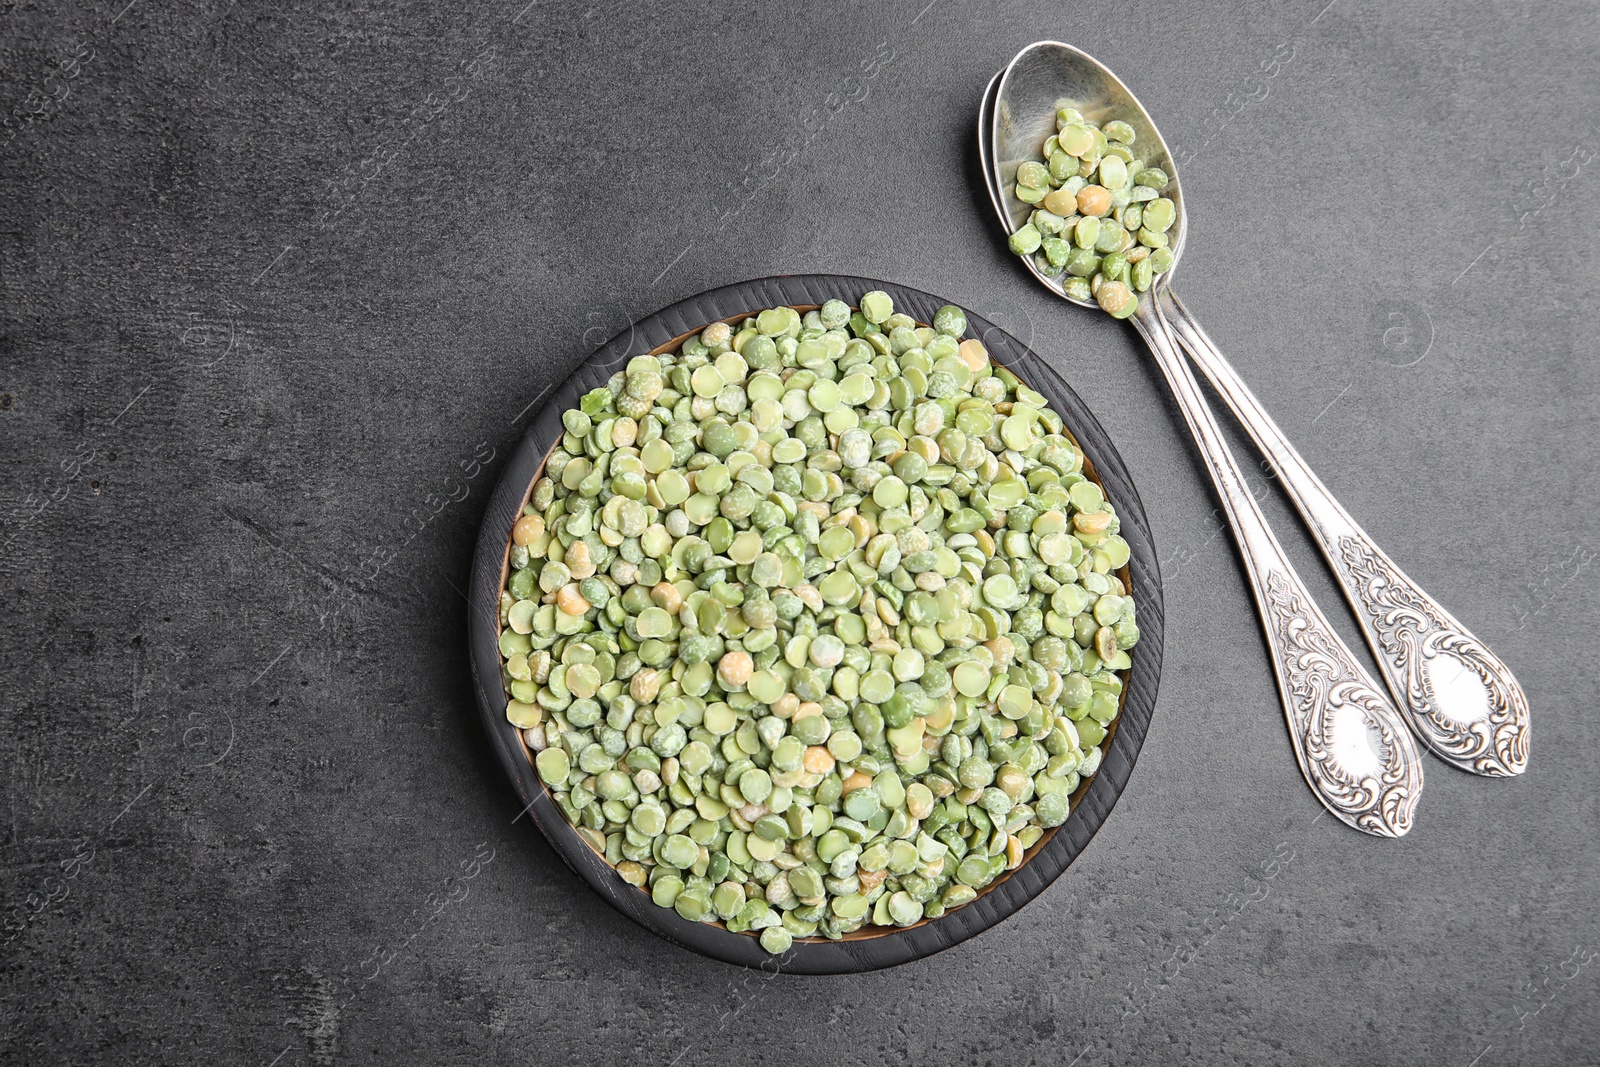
(279,281)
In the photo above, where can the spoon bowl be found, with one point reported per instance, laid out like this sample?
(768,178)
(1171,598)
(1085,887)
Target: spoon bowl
(1020,114)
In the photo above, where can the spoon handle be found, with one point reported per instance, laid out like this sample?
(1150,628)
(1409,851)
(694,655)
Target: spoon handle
(1459,698)
(1350,741)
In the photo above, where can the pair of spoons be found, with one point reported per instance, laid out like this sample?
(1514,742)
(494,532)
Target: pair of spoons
(1354,745)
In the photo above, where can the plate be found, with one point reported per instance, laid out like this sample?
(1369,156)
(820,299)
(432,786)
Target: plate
(872,948)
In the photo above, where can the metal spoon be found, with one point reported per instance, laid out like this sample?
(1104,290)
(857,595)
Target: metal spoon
(1348,738)
(1459,698)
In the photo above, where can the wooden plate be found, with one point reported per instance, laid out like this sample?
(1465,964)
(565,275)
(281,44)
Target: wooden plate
(869,949)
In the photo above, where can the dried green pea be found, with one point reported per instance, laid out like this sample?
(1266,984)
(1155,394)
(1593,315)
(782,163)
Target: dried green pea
(1086,232)
(1026,240)
(1152,238)
(1117,130)
(1083,262)
(1113,172)
(1159,215)
(1047,222)
(1152,177)
(1142,274)
(1033,175)
(1056,251)
(1030,194)
(1075,139)
(1112,238)
(1117,300)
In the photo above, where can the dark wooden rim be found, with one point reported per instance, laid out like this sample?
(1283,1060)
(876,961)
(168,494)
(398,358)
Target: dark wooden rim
(1054,852)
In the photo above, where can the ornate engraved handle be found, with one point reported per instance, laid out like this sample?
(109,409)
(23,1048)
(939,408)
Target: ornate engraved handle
(1349,740)
(1459,698)
(1462,700)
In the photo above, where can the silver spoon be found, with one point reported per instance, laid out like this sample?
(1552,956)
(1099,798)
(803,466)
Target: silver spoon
(1348,738)
(1459,698)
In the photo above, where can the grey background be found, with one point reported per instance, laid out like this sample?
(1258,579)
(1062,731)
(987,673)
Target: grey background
(277,277)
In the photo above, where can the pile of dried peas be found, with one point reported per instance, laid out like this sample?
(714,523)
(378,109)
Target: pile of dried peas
(1100,216)
(813,624)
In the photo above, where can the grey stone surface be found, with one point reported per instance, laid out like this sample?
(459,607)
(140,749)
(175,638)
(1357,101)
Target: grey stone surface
(277,277)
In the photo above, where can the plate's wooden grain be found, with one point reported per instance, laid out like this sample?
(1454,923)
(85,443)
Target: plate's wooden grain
(863,951)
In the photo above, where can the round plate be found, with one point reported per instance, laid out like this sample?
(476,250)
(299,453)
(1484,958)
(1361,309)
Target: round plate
(863,951)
